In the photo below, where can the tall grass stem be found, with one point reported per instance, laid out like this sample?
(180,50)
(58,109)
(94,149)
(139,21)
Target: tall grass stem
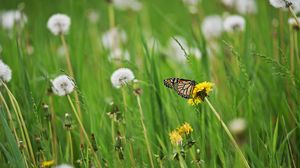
(228,133)
(145,131)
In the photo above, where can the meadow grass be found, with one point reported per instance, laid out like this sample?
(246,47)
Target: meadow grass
(256,76)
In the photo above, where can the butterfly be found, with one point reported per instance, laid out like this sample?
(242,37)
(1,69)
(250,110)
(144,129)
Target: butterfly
(183,87)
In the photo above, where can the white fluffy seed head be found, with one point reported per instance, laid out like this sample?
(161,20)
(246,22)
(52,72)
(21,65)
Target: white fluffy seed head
(212,27)
(64,166)
(133,5)
(59,24)
(196,53)
(234,23)
(192,5)
(293,23)
(174,50)
(114,38)
(5,72)
(62,85)
(296,6)
(118,54)
(279,3)
(121,77)
(246,6)
(228,3)
(93,16)
(237,126)
(11,18)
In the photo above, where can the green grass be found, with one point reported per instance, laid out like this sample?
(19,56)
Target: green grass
(261,91)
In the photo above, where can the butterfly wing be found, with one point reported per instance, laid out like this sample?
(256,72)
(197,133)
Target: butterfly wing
(184,87)
(169,82)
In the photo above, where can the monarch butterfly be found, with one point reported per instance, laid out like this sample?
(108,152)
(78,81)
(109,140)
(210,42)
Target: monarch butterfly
(183,87)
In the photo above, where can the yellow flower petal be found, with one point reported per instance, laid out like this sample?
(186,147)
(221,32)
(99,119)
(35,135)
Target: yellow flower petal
(200,91)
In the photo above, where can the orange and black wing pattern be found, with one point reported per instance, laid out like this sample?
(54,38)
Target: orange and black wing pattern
(183,87)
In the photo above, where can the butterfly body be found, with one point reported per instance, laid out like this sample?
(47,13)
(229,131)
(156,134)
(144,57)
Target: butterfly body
(183,87)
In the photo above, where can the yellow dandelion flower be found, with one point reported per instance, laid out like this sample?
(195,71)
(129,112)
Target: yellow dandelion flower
(47,163)
(200,91)
(185,129)
(175,137)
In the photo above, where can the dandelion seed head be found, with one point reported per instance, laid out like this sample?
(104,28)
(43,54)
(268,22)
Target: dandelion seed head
(234,23)
(121,77)
(11,18)
(118,54)
(62,85)
(293,23)
(196,53)
(114,38)
(174,50)
(212,27)
(296,6)
(229,3)
(59,24)
(5,72)
(281,3)
(133,5)
(246,6)
(64,166)
(192,5)
(237,126)
(93,16)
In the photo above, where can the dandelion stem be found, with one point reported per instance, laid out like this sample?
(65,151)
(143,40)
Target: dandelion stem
(294,15)
(145,131)
(124,100)
(84,132)
(228,133)
(70,70)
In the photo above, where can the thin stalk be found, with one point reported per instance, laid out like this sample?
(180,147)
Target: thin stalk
(145,131)
(70,70)
(17,109)
(51,137)
(125,112)
(111,15)
(228,133)
(84,132)
(112,131)
(281,26)
(53,132)
(294,15)
(20,124)
(292,56)
(124,100)
(131,156)
(181,160)
(296,47)
(9,117)
(70,143)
